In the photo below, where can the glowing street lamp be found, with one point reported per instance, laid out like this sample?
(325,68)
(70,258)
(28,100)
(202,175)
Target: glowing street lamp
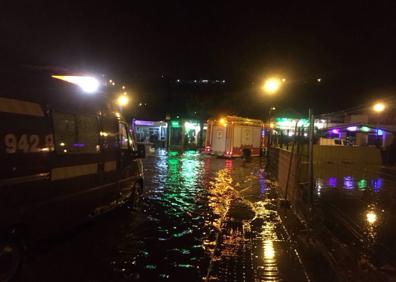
(272,85)
(379,107)
(122,100)
(88,84)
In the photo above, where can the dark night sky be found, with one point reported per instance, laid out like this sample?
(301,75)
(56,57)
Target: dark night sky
(352,48)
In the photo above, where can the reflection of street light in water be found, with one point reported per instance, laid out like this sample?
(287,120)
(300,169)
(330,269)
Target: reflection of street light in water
(371,217)
(269,251)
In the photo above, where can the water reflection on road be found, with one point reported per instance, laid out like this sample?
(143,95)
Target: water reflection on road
(361,198)
(190,233)
(201,217)
(179,225)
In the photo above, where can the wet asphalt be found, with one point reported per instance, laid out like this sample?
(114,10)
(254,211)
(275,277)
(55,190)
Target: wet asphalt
(200,218)
(356,203)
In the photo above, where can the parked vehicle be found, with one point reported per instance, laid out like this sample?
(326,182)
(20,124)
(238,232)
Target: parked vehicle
(234,136)
(332,142)
(65,157)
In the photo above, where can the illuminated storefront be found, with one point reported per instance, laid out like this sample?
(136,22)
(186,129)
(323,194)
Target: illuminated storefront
(287,126)
(151,132)
(185,134)
(361,135)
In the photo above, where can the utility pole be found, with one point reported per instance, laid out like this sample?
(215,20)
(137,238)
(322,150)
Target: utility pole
(269,133)
(310,155)
(291,159)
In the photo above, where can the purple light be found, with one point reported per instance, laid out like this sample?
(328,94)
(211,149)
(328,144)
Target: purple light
(376,184)
(380,132)
(348,182)
(332,182)
(144,122)
(78,145)
(335,131)
(352,128)
(262,184)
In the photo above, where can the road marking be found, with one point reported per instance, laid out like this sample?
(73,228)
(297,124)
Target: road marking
(20,107)
(65,172)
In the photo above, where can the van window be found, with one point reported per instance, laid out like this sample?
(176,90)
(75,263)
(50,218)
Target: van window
(123,136)
(132,141)
(65,132)
(109,133)
(87,134)
(75,133)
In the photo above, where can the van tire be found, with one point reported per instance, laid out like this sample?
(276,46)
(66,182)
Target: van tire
(11,255)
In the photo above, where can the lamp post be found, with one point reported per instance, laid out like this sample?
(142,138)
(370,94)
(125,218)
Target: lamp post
(271,86)
(271,125)
(378,108)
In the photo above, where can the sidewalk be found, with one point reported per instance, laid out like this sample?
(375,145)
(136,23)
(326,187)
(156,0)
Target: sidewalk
(259,249)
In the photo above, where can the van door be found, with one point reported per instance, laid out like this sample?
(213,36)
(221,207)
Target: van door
(107,170)
(75,186)
(219,139)
(129,165)
(25,148)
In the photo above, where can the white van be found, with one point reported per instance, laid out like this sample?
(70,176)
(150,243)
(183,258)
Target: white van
(332,142)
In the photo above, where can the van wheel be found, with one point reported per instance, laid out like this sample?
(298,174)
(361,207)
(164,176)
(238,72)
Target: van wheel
(10,259)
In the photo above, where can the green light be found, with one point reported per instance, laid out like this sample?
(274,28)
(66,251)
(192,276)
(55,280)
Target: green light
(192,125)
(286,123)
(303,122)
(362,184)
(175,123)
(185,265)
(172,153)
(190,153)
(365,129)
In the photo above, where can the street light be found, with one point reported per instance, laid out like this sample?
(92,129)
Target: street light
(272,85)
(88,84)
(122,100)
(379,107)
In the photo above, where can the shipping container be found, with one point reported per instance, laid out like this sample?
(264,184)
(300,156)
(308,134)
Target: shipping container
(234,136)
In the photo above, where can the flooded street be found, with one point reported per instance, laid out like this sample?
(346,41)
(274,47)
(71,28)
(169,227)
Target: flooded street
(357,205)
(201,218)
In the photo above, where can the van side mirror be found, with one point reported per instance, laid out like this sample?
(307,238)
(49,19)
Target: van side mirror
(141,151)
